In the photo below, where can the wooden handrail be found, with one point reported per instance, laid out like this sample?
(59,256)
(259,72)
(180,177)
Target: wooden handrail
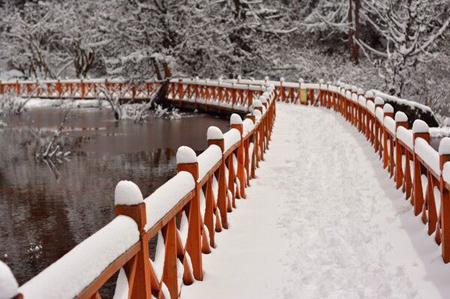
(203,205)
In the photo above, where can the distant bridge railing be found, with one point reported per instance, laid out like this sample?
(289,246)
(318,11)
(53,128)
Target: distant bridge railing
(185,213)
(195,93)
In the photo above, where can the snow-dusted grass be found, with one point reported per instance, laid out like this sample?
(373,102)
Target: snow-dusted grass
(322,220)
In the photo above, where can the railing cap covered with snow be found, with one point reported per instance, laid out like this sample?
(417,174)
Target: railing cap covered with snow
(127,193)
(419,126)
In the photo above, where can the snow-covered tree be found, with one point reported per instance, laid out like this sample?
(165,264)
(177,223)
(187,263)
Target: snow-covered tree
(409,31)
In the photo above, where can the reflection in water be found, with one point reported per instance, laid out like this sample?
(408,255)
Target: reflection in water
(44,212)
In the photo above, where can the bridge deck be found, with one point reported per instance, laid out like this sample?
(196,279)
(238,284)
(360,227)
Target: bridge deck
(322,220)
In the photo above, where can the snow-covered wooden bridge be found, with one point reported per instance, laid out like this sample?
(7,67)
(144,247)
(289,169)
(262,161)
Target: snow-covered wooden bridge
(294,201)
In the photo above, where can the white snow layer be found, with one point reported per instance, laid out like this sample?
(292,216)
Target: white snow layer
(160,202)
(406,136)
(327,222)
(231,137)
(248,126)
(389,124)
(235,119)
(69,275)
(400,116)
(8,283)
(206,160)
(214,133)
(419,126)
(446,172)
(428,154)
(186,155)
(387,108)
(444,146)
(370,106)
(127,193)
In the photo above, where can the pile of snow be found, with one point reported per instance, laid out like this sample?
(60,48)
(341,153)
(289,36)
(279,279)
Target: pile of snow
(379,101)
(387,108)
(370,106)
(248,126)
(444,146)
(446,172)
(214,133)
(160,202)
(235,119)
(186,155)
(257,114)
(257,104)
(439,132)
(370,94)
(419,126)
(405,136)
(127,193)
(379,114)
(401,117)
(231,137)
(389,124)
(397,100)
(428,154)
(10,75)
(206,160)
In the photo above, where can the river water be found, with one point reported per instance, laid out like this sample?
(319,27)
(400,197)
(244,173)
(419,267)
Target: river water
(46,208)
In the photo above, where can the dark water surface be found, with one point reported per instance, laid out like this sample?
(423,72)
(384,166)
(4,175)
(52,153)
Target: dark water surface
(45,209)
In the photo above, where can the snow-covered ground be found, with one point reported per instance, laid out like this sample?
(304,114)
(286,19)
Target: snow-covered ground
(322,220)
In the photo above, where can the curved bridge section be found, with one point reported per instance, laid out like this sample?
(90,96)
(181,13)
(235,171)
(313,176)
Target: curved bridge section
(187,212)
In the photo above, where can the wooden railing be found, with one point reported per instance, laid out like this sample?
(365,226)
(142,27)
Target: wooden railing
(228,96)
(183,215)
(419,170)
(80,89)
(415,166)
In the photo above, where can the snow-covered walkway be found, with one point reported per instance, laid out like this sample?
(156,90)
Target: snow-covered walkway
(322,220)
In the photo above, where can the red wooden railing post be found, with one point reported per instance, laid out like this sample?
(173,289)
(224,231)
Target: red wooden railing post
(58,88)
(83,89)
(281,95)
(379,102)
(401,120)
(130,202)
(215,136)
(443,224)
(369,97)
(310,97)
(252,159)
(187,161)
(348,103)
(236,123)
(259,142)
(388,111)
(354,106)
(17,88)
(420,130)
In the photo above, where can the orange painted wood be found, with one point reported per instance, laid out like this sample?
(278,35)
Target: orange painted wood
(194,239)
(170,272)
(142,283)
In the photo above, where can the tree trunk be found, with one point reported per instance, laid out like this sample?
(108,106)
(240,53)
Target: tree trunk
(355,47)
